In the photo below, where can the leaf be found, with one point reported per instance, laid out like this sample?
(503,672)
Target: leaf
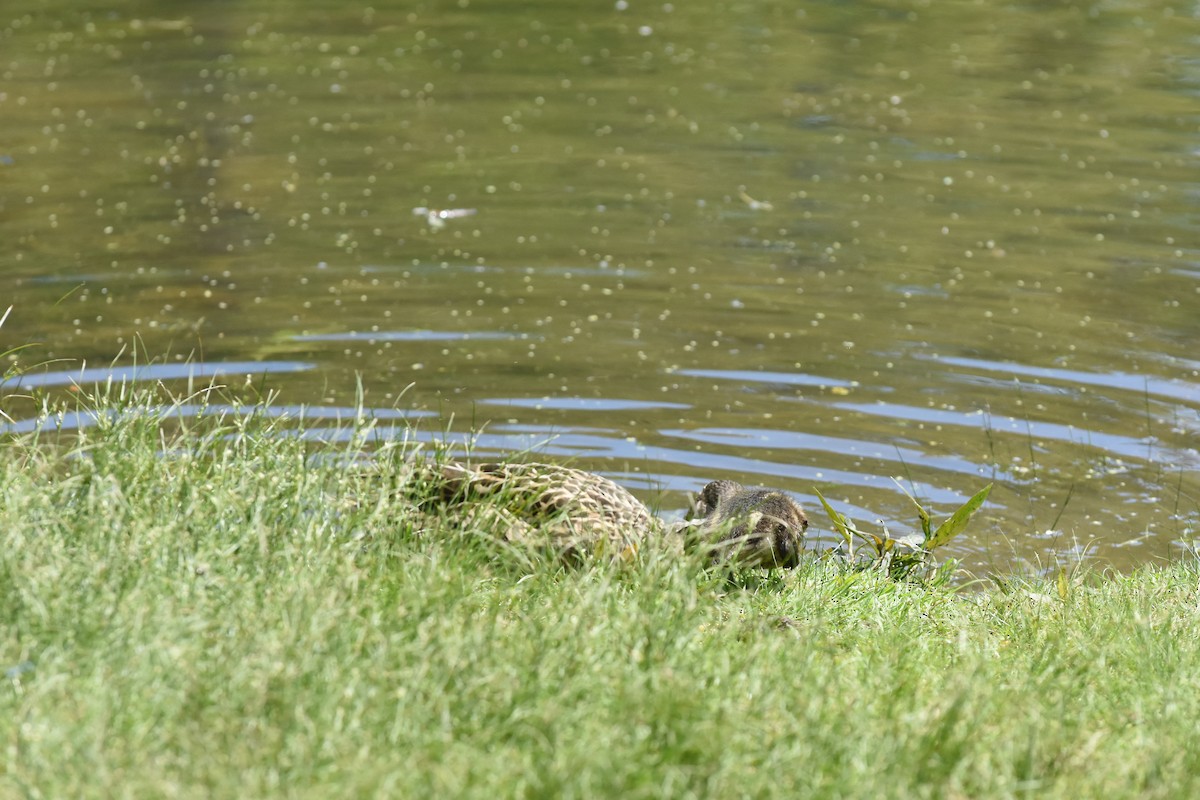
(926,522)
(840,522)
(1064,586)
(953,526)
(877,542)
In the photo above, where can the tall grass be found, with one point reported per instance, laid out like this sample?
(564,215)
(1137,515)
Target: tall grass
(221,609)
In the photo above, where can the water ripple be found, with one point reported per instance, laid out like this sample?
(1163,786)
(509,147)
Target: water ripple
(151,372)
(341,415)
(581,403)
(853,448)
(755,376)
(1142,448)
(1124,381)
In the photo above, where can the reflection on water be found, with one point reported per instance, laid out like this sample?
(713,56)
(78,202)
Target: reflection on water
(1036,431)
(781,378)
(813,247)
(91,377)
(1071,379)
(580,403)
(313,418)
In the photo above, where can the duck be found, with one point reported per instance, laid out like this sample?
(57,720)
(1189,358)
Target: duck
(577,513)
(751,526)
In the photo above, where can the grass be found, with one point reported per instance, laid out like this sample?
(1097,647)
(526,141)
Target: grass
(196,609)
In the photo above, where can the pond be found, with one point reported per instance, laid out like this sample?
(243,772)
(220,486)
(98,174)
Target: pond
(809,245)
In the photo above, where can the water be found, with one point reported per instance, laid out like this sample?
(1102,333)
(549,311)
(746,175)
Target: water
(813,247)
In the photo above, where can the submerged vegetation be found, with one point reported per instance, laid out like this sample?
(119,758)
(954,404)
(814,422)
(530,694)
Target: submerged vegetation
(205,607)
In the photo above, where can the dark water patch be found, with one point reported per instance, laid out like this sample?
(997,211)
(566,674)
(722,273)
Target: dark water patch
(1013,384)
(79,278)
(766,377)
(930,155)
(1178,362)
(603,270)
(913,290)
(406,336)
(425,269)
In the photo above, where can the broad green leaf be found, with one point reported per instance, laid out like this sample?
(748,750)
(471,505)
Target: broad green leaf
(840,523)
(953,526)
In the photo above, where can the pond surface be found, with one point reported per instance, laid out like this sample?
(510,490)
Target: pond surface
(809,245)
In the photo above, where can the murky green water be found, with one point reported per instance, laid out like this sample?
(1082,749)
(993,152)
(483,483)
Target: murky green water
(810,245)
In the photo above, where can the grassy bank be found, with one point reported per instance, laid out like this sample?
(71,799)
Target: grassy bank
(202,613)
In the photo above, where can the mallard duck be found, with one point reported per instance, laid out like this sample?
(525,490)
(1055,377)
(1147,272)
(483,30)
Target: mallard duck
(580,512)
(758,527)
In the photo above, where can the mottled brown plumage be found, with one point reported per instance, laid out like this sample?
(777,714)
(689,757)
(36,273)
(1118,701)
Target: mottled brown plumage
(578,512)
(759,527)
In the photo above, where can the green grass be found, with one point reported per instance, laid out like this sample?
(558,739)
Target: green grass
(202,612)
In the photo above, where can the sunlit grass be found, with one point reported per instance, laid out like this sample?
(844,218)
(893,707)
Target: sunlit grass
(214,607)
